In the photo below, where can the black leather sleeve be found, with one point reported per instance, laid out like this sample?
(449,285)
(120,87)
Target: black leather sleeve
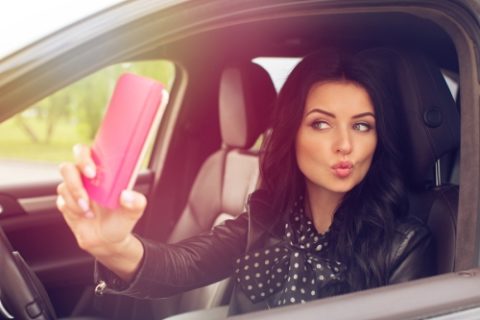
(168,269)
(413,255)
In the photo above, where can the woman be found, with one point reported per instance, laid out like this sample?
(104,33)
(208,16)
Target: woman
(328,219)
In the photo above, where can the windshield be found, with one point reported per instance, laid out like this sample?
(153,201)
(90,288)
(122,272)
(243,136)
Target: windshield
(24,21)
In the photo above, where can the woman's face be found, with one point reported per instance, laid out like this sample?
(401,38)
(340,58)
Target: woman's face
(337,138)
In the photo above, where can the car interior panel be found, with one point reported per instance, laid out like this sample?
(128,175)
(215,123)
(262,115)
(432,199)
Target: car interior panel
(208,163)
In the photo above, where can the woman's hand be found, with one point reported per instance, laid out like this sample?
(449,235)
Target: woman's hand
(104,233)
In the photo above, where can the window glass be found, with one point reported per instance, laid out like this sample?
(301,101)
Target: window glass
(278,67)
(452,83)
(34,142)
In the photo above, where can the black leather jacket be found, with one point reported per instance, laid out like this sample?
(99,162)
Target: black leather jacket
(169,269)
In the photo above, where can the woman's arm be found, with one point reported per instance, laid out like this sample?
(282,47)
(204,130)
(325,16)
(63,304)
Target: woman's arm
(137,266)
(168,269)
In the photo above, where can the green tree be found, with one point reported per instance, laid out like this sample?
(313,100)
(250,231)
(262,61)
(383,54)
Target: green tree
(47,130)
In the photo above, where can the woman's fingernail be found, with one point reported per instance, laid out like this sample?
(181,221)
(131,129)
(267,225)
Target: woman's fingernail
(83,204)
(127,197)
(89,214)
(77,150)
(60,202)
(89,172)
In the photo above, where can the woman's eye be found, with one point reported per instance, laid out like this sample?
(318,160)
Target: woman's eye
(362,127)
(320,125)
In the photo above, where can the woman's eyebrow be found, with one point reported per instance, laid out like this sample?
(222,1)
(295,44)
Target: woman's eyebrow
(360,115)
(321,111)
(363,114)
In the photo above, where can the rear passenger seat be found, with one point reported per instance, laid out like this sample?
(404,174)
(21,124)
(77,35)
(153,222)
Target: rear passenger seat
(228,176)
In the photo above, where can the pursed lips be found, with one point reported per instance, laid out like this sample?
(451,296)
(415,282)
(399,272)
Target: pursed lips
(342,169)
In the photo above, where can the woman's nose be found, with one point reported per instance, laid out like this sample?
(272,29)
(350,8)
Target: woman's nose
(343,143)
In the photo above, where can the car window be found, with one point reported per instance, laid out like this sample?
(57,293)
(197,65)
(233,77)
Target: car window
(467,313)
(34,142)
(452,83)
(278,68)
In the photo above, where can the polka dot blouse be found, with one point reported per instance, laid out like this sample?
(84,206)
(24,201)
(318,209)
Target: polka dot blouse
(294,271)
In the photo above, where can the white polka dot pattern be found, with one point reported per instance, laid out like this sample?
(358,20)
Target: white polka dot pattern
(295,270)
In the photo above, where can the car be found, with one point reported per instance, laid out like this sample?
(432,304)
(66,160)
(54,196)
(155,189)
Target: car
(203,49)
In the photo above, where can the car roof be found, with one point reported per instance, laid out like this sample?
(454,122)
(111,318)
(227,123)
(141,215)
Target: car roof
(229,30)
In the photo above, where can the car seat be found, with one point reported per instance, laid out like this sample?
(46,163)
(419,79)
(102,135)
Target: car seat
(432,130)
(225,179)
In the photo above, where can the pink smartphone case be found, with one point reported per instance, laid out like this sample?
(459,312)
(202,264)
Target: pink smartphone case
(135,109)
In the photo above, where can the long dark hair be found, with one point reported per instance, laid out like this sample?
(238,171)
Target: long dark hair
(364,221)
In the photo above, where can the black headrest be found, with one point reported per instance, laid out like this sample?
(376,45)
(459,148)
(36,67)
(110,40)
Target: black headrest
(245,100)
(432,119)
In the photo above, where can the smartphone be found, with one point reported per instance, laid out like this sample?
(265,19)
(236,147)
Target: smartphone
(132,116)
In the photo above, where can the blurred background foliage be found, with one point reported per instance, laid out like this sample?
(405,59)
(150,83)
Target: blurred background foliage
(48,129)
